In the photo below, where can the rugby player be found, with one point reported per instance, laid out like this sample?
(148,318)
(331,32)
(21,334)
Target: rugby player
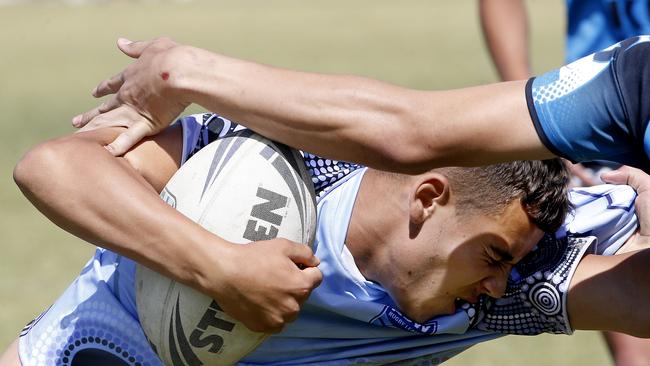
(411,277)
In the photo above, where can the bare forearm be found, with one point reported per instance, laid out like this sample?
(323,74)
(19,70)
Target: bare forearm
(363,120)
(606,293)
(82,188)
(505,28)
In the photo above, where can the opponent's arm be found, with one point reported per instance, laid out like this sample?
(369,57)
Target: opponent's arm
(505,28)
(367,121)
(343,117)
(113,202)
(590,109)
(611,293)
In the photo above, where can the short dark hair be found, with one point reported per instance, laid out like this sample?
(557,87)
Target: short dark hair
(540,185)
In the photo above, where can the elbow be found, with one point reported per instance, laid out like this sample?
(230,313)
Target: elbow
(37,168)
(21,172)
(26,171)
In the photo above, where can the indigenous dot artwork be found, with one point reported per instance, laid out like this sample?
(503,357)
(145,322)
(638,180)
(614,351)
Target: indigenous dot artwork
(535,298)
(94,325)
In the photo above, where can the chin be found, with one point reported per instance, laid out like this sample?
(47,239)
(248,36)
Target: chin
(452,309)
(442,311)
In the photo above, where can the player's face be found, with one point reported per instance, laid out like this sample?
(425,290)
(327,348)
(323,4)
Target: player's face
(460,256)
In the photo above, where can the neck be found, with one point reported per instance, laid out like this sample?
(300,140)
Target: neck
(379,218)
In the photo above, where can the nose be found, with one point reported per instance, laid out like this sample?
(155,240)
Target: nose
(495,286)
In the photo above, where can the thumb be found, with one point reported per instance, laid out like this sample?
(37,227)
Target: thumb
(314,274)
(127,139)
(303,256)
(130,48)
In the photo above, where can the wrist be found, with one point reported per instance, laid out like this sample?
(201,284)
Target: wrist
(190,69)
(207,263)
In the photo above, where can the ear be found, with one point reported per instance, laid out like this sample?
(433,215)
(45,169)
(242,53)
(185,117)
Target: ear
(430,191)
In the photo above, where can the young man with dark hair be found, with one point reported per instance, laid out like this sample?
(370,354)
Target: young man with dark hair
(421,268)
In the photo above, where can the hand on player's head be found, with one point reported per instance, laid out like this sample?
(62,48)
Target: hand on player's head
(640,181)
(145,86)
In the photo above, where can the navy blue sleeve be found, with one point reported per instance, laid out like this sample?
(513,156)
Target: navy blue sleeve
(592,109)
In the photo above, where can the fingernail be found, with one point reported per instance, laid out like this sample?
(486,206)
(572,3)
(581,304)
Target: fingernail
(76,120)
(126,40)
(110,149)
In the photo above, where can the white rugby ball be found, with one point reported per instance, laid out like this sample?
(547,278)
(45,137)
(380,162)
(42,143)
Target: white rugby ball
(243,188)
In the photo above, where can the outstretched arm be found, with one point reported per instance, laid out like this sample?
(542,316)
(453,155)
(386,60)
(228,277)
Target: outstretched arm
(344,117)
(367,121)
(113,202)
(587,110)
(505,28)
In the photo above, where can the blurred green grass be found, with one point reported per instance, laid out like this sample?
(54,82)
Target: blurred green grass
(54,54)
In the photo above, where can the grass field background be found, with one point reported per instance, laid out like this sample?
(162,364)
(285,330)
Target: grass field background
(52,54)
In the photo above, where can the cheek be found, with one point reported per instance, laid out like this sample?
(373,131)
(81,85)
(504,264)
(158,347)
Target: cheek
(471,268)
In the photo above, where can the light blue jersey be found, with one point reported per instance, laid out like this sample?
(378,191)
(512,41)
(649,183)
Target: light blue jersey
(596,24)
(347,319)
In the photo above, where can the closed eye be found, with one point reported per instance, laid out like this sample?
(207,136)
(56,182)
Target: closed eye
(501,255)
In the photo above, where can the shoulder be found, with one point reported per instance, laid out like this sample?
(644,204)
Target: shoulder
(605,212)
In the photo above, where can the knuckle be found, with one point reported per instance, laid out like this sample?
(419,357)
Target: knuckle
(162,43)
(126,94)
(168,40)
(307,249)
(292,316)
(89,115)
(292,310)
(275,325)
(113,83)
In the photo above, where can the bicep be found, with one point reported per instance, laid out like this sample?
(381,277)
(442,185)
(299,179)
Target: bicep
(473,126)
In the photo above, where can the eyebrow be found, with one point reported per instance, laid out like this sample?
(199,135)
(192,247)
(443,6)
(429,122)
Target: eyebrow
(502,254)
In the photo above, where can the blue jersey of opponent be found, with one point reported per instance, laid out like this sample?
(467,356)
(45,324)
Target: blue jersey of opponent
(596,108)
(347,319)
(596,24)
